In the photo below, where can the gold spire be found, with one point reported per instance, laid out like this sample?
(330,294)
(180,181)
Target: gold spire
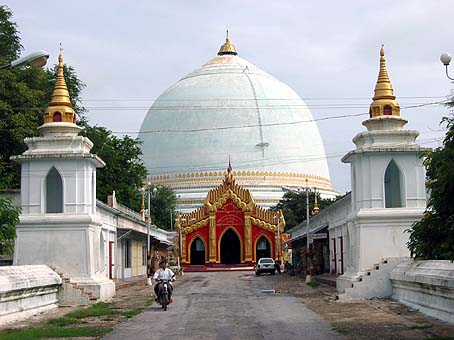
(228,47)
(60,108)
(315,209)
(384,103)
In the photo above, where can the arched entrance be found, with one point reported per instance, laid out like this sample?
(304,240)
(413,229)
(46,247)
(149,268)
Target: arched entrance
(197,252)
(230,248)
(263,248)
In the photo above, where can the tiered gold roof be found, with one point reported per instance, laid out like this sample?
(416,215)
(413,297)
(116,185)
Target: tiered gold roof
(241,197)
(384,103)
(227,47)
(60,108)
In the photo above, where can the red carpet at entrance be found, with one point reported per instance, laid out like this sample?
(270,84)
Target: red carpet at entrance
(218,268)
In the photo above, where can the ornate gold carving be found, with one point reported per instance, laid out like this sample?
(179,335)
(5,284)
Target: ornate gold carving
(212,237)
(183,251)
(196,226)
(247,236)
(264,225)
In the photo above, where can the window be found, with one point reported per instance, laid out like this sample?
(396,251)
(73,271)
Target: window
(57,117)
(144,255)
(393,186)
(387,110)
(262,244)
(199,246)
(127,253)
(54,192)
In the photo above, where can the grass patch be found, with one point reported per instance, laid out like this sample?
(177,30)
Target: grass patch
(51,332)
(342,330)
(313,284)
(132,312)
(99,309)
(63,321)
(421,327)
(149,302)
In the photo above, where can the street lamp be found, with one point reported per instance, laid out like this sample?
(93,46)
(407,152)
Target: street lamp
(36,59)
(148,193)
(445,58)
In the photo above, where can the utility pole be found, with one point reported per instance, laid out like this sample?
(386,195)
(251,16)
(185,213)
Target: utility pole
(308,236)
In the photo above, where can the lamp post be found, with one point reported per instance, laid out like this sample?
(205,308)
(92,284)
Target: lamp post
(278,221)
(181,221)
(35,59)
(445,58)
(148,193)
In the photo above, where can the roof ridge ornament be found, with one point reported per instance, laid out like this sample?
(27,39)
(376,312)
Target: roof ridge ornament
(229,176)
(227,47)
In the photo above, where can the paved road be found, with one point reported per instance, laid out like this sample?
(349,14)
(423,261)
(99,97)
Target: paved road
(226,305)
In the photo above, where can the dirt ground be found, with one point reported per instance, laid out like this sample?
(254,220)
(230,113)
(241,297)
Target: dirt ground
(359,320)
(382,319)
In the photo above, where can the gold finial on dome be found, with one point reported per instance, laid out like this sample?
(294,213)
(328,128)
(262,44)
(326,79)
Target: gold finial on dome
(227,47)
(60,108)
(384,102)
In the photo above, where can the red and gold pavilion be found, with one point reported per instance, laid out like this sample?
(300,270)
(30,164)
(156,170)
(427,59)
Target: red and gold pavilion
(229,228)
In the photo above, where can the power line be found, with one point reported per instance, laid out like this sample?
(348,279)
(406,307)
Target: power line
(245,99)
(265,125)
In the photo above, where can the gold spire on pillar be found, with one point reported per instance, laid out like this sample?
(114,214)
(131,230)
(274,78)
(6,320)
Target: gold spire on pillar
(228,47)
(60,108)
(315,209)
(384,103)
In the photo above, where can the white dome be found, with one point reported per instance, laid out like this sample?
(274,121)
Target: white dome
(231,108)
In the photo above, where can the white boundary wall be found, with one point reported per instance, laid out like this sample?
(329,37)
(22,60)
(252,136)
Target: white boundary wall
(27,290)
(427,286)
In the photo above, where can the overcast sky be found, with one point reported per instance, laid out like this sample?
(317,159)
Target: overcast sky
(129,52)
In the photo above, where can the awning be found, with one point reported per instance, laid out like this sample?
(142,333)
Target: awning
(303,234)
(163,241)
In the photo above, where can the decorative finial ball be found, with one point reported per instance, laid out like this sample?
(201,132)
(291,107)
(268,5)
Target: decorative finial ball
(445,58)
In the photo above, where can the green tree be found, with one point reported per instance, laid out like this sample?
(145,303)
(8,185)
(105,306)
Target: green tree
(124,172)
(432,238)
(293,205)
(9,217)
(24,94)
(162,206)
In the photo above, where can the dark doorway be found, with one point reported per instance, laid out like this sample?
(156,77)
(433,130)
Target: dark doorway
(230,248)
(263,248)
(197,252)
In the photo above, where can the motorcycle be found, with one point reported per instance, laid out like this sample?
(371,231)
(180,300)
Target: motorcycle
(164,293)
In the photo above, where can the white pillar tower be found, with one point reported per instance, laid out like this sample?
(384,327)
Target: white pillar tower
(58,193)
(388,185)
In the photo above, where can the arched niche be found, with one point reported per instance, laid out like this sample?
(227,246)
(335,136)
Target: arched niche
(54,192)
(198,251)
(394,186)
(262,248)
(230,247)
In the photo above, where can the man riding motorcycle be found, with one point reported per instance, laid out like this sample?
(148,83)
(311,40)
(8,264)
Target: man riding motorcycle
(163,273)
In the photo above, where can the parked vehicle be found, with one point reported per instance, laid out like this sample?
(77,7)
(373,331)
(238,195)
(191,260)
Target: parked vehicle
(265,265)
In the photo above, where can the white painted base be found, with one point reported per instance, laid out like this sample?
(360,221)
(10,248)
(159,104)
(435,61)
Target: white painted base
(369,284)
(103,291)
(26,291)
(427,286)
